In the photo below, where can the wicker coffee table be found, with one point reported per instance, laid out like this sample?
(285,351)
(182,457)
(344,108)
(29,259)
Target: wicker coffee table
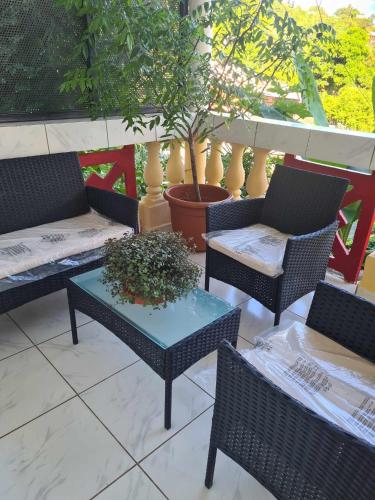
(169,339)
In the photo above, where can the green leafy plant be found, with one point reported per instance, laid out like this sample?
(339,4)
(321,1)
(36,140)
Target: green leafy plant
(145,53)
(153,266)
(309,90)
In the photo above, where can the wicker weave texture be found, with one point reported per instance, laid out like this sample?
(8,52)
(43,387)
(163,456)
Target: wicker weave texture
(257,285)
(180,356)
(300,202)
(32,290)
(293,452)
(345,318)
(233,214)
(140,344)
(116,206)
(305,264)
(40,189)
(307,253)
(167,363)
(43,189)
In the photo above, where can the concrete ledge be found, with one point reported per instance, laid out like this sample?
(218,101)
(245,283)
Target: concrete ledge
(325,144)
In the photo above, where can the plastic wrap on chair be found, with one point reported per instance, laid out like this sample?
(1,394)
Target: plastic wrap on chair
(320,373)
(258,246)
(50,269)
(26,249)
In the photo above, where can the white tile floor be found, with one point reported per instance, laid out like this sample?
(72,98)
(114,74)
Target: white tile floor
(86,421)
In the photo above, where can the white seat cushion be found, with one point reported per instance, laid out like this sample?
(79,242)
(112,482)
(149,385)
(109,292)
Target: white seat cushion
(260,247)
(320,373)
(28,248)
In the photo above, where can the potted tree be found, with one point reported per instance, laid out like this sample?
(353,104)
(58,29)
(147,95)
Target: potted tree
(149,269)
(144,53)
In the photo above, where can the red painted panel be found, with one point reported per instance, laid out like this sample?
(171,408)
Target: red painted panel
(348,262)
(123,165)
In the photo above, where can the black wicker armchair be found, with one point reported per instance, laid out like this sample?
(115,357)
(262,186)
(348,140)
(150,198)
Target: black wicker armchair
(42,189)
(292,451)
(297,202)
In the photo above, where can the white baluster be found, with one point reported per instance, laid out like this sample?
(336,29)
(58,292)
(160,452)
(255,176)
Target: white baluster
(235,176)
(214,168)
(175,167)
(200,161)
(153,209)
(257,183)
(153,175)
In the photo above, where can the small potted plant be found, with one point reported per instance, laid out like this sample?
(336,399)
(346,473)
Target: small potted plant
(149,269)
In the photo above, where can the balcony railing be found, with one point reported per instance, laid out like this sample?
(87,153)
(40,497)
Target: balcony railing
(262,135)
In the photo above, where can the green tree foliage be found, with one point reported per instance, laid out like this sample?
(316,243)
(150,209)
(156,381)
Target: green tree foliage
(350,106)
(145,53)
(345,80)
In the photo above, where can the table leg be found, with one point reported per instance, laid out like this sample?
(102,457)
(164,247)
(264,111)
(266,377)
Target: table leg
(168,404)
(73,322)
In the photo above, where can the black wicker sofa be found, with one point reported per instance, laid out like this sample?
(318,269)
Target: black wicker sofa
(294,452)
(43,189)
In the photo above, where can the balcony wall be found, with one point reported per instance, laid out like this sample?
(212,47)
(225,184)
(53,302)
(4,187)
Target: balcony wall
(262,135)
(325,144)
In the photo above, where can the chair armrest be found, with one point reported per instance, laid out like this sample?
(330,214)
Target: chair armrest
(305,263)
(233,214)
(308,254)
(345,318)
(254,420)
(116,206)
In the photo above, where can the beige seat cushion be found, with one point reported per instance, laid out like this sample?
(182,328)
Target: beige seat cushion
(260,247)
(28,248)
(320,373)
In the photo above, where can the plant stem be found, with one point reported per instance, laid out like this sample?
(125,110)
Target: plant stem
(194,167)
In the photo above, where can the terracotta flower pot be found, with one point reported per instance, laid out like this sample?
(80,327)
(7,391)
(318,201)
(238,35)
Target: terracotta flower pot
(189,216)
(140,300)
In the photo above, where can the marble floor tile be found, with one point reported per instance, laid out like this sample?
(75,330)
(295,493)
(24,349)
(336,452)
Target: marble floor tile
(199,258)
(64,454)
(203,373)
(255,319)
(134,485)
(178,468)
(12,340)
(336,279)
(302,306)
(98,355)
(131,405)
(224,291)
(46,317)
(29,386)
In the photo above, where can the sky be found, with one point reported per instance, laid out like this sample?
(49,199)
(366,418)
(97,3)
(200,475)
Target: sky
(366,7)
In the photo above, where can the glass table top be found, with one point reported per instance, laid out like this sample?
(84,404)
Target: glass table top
(164,326)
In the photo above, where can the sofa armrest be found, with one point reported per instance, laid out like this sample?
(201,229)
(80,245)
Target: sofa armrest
(233,214)
(345,318)
(116,206)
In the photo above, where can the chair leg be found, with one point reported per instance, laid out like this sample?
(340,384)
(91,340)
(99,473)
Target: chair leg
(207,282)
(277,318)
(210,467)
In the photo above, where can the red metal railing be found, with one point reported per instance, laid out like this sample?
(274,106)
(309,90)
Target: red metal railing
(346,261)
(123,166)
